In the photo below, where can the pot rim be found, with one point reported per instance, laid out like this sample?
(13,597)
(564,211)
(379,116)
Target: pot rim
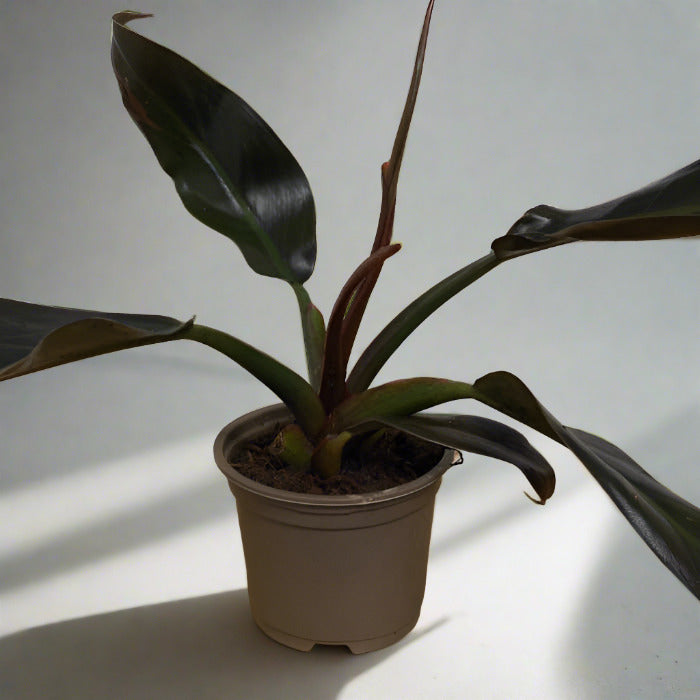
(261,418)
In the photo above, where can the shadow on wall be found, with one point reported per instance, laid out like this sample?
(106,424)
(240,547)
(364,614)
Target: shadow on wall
(638,631)
(68,418)
(207,647)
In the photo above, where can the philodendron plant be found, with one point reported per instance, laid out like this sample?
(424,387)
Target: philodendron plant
(235,175)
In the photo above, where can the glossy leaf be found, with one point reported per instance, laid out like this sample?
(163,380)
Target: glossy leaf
(399,398)
(230,169)
(667,208)
(481,436)
(668,524)
(35,337)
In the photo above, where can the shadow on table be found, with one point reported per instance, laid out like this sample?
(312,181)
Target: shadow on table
(206,647)
(196,505)
(638,630)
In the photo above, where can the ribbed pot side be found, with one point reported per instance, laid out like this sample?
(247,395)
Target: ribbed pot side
(331,569)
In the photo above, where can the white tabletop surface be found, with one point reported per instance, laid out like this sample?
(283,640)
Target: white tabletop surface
(121,569)
(124,578)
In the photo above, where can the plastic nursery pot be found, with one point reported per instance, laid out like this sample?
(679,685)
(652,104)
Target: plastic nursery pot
(331,569)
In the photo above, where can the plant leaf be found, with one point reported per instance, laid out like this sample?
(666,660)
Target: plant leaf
(35,337)
(481,436)
(667,208)
(230,169)
(397,330)
(668,524)
(398,398)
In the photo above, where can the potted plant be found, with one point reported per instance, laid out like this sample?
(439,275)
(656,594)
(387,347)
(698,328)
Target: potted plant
(311,554)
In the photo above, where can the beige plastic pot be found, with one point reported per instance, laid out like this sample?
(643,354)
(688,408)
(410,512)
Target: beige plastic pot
(331,569)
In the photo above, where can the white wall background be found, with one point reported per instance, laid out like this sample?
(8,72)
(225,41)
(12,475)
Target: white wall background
(521,103)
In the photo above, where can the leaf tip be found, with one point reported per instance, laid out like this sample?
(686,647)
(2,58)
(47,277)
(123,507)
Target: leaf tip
(536,501)
(127,15)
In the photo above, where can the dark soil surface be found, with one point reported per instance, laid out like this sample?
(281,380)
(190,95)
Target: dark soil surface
(394,459)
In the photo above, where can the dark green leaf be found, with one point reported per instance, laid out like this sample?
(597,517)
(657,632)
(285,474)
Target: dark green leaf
(668,208)
(667,523)
(230,169)
(35,337)
(481,436)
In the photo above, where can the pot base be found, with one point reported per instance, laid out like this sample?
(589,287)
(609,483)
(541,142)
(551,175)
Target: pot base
(359,646)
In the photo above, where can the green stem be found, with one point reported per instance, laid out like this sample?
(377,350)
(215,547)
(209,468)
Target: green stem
(328,456)
(314,332)
(292,389)
(387,342)
(336,354)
